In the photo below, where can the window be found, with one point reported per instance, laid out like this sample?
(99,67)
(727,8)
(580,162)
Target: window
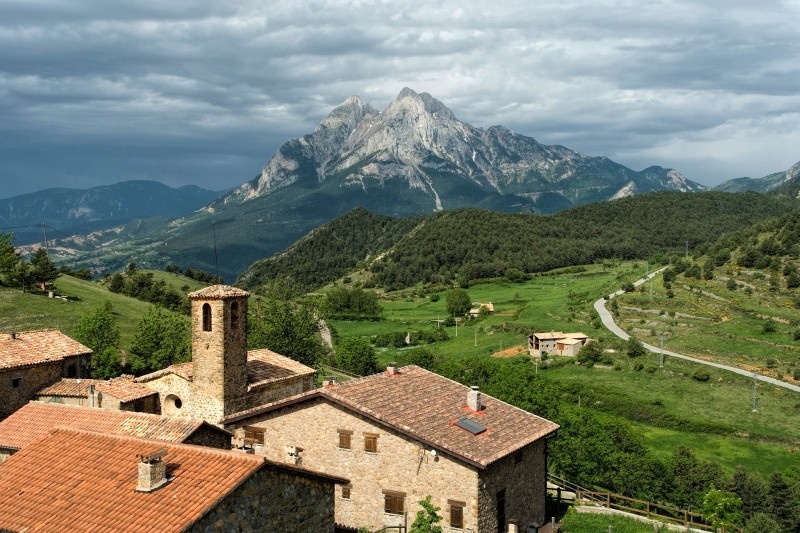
(206,317)
(346,491)
(344,439)
(72,370)
(254,435)
(16,382)
(371,442)
(394,502)
(234,315)
(456,514)
(518,457)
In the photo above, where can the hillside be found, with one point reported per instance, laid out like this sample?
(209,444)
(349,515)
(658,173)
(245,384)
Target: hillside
(80,211)
(471,243)
(786,182)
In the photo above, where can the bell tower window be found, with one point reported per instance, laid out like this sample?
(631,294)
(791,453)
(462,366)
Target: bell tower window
(206,317)
(235,315)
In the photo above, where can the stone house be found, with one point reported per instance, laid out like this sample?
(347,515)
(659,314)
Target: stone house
(36,419)
(122,393)
(405,434)
(77,481)
(556,343)
(224,377)
(476,311)
(31,360)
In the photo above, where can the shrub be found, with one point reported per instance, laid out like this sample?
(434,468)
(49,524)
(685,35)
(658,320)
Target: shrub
(701,376)
(769,326)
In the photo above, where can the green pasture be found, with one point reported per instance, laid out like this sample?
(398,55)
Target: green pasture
(574,522)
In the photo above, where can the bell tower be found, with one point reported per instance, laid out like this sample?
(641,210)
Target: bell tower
(219,351)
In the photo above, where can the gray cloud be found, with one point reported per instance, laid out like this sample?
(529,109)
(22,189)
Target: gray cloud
(204,92)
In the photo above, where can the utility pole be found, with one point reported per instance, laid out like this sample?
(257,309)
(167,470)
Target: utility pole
(46,243)
(476,336)
(754,394)
(456,321)
(661,359)
(687,250)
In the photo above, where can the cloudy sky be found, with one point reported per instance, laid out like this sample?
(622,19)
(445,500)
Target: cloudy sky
(204,92)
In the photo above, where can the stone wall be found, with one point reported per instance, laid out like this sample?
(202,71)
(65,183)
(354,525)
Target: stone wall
(400,464)
(176,386)
(524,479)
(273,499)
(276,390)
(211,437)
(34,378)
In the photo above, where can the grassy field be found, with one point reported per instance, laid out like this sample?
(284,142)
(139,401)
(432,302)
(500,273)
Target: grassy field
(668,405)
(26,311)
(600,523)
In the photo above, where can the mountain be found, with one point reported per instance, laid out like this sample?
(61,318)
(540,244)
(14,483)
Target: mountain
(786,182)
(414,157)
(417,144)
(79,211)
(469,243)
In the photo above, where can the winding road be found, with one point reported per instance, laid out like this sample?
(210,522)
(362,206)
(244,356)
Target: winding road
(608,322)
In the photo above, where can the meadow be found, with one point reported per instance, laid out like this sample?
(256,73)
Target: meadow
(668,406)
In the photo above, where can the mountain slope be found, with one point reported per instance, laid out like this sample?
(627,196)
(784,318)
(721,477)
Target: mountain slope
(786,182)
(473,243)
(74,211)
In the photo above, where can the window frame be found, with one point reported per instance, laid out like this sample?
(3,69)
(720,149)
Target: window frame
(16,382)
(371,438)
(457,507)
(347,491)
(345,434)
(391,499)
(252,434)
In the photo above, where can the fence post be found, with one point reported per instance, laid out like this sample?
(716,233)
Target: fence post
(648,509)
(608,500)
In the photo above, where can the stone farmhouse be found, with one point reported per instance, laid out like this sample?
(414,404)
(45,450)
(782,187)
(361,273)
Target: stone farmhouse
(36,419)
(121,393)
(405,434)
(223,377)
(32,360)
(556,343)
(77,481)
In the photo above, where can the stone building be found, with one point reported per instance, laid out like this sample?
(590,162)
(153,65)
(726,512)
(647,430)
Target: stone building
(121,394)
(556,343)
(223,377)
(36,419)
(77,481)
(31,360)
(405,434)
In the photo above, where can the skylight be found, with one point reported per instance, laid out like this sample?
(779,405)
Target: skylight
(470,425)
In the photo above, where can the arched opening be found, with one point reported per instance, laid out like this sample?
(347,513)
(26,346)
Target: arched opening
(206,317)
(235,315)
(172,405)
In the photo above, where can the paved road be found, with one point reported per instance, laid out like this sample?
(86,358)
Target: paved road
(608,322)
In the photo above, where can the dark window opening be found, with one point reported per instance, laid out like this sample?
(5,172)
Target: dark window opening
(72,370)
(457,514)
(346,492)
(234,315)
(16,382)
(206,317)
(501,511)
(178,403)
(518,457)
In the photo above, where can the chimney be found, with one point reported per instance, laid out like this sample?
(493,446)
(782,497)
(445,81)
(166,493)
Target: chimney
(329,381)
(474,399)
(14,336)
(293,455)
(392,369)
(152,471)
(92,395)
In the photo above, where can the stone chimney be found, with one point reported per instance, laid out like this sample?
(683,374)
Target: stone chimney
(329,381)
(14,336)
(293,455)
(92,395)
(474,399)
(512,526)
(152,471)
(391,369)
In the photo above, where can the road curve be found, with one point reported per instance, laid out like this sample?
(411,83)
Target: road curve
(608,322)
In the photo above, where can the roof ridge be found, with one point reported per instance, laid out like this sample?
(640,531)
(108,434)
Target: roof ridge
(34,331)
(197,422)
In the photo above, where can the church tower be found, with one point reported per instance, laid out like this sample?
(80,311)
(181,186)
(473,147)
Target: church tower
(219,351)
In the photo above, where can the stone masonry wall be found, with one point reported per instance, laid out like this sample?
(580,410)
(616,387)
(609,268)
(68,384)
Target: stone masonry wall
(209,437)
(400,465)
(34,378)
(277,390)
(525,485)
(171,384)
(273,500)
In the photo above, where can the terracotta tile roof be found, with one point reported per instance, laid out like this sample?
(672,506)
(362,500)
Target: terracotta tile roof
(36,347)
(549,336)
(426,407)
(36,419)
(124,388)
(77,481)
(183,370)
(217,292)
(265,366)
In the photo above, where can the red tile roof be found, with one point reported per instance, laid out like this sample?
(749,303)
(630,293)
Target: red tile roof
(123,388)
(265,366)
(82,481)
(36,419)
(36,347)
(426,407)
(218,292)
